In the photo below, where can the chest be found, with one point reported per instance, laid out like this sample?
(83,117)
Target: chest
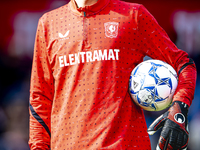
(105,37)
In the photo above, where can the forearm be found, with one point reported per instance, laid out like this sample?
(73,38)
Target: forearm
(186,85)
(40,110)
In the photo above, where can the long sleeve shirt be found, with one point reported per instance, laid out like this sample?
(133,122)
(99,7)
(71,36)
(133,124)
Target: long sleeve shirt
(82,61)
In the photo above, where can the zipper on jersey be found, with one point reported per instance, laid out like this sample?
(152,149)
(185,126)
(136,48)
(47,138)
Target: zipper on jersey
(86,44)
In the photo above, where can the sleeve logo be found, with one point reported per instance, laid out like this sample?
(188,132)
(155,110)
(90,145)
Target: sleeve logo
(111,29)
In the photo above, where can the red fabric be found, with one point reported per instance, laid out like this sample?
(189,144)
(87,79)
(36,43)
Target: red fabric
(154,41)
(80,74)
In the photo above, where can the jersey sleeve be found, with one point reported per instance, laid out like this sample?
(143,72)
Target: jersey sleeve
(155,43)
(41,93)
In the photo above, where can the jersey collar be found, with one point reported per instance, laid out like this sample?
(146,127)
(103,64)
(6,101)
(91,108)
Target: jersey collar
(88,10)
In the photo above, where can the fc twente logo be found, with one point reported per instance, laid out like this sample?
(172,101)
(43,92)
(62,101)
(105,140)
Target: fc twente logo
(111,29)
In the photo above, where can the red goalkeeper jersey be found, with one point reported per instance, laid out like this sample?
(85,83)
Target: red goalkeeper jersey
(82,61)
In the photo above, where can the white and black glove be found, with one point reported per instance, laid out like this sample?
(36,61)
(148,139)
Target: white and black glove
(174,135)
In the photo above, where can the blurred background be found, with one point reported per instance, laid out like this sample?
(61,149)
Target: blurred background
(19,18)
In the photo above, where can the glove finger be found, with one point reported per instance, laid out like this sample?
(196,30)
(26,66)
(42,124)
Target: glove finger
(182,140)
(184,147)
(173,137)
(162,144)
(164,138)
(157,124)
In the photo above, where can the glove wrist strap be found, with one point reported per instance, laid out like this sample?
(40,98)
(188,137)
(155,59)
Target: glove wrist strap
(183,106)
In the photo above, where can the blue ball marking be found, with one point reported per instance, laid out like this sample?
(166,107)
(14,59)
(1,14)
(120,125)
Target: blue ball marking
(153,106)
(136,69)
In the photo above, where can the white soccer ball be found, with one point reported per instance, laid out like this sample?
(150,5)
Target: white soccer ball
(152,85)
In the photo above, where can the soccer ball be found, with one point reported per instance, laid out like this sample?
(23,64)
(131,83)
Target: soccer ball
(152,84)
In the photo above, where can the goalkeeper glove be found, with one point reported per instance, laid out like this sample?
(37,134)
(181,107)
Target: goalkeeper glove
(174,135)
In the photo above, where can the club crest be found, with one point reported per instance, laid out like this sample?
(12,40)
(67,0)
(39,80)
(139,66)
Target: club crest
(111,29)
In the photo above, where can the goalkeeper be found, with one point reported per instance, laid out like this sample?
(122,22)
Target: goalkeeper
(83,56)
